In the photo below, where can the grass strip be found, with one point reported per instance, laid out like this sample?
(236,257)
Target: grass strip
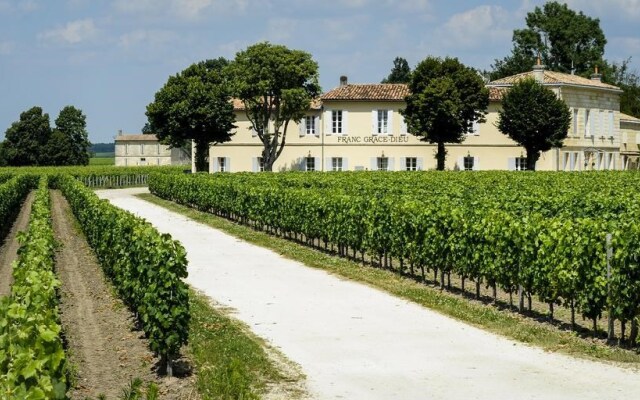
(231,362)
(502,322)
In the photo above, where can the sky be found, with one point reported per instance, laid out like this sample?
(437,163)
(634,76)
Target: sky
(109,57)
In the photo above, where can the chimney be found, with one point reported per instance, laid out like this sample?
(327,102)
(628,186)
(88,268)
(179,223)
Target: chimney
(596,76)
(538,71)
(343,80)
(119,132)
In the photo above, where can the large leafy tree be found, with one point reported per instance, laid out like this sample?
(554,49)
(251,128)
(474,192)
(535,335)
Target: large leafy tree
(565,39)
(69,143)
(620,75)
(535,118)
(446,98)
(26,139)
(275,84)
(194,105)
(400,73)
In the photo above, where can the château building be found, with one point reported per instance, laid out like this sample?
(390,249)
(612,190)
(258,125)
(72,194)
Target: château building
(358,127)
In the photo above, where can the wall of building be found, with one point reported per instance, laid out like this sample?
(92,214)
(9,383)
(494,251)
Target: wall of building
(139,153)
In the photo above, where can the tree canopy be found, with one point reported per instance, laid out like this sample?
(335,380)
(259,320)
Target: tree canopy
(69,142)
(275,84)
(26,139)
(195,104)
(535,118)
(400,73)
(446,99)
(565,39)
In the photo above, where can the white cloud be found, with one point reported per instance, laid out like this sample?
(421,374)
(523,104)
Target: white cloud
(72,33)
(477,27)
(147,38)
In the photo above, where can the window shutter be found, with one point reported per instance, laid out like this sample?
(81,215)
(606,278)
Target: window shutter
(374,122)
(403,164)
(302,127)
(254,133)
(374,164)
(345,123)
(328,165)
(511,164)
(227,163)
(255,164)
(592,125)
(327,123)
(460,163)
(420,164)
(317,164)
(476,129)
(215,164)
(403,127)
(476,163)
(391,163)
(316,125)
(390,123)
(345,164)
(572,162)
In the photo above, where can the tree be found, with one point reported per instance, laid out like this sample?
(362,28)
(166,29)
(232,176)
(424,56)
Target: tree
(618,74)
(446,99)
(3,158)
(565,40)
(400,73)
(275,84)
(25,140)
(534,117)
(194,105)
(69,142)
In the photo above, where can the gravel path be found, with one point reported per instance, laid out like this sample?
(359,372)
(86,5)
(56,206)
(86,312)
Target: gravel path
(355,342)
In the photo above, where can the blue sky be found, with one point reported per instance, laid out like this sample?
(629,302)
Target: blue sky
(109,57)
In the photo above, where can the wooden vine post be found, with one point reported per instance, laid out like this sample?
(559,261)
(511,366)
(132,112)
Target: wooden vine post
(609,255)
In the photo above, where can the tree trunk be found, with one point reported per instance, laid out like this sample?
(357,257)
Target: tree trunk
(532,159)
(463,279)
(521,302)
(441,156)
(478,288)
(202,157)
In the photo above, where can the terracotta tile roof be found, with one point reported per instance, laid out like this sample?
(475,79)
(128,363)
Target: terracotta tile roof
(121,138)
(555,78)
(496,93)
(316,104)
(628,118)
(370,92)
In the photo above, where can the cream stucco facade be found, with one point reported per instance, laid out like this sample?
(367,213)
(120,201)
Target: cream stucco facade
(359,127)
(138,150)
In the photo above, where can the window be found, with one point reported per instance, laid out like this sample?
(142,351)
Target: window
(411,164)
(310,164)
(468,163)
(521,163)
(383,122)
(141,148)
(587,123)
(143,159)
(611,123)
(222,165)
(336,121)
(260,164)
(575,122)
(310,125)
(383,164)
(336,164)
(475,129)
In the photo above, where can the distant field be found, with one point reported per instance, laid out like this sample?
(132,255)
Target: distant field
(103,159)
(104,155)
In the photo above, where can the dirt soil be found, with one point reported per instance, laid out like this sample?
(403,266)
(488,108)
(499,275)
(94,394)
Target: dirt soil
(9,249)
(104,347)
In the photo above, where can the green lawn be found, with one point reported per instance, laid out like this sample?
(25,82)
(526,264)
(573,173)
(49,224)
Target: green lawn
(102,160)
